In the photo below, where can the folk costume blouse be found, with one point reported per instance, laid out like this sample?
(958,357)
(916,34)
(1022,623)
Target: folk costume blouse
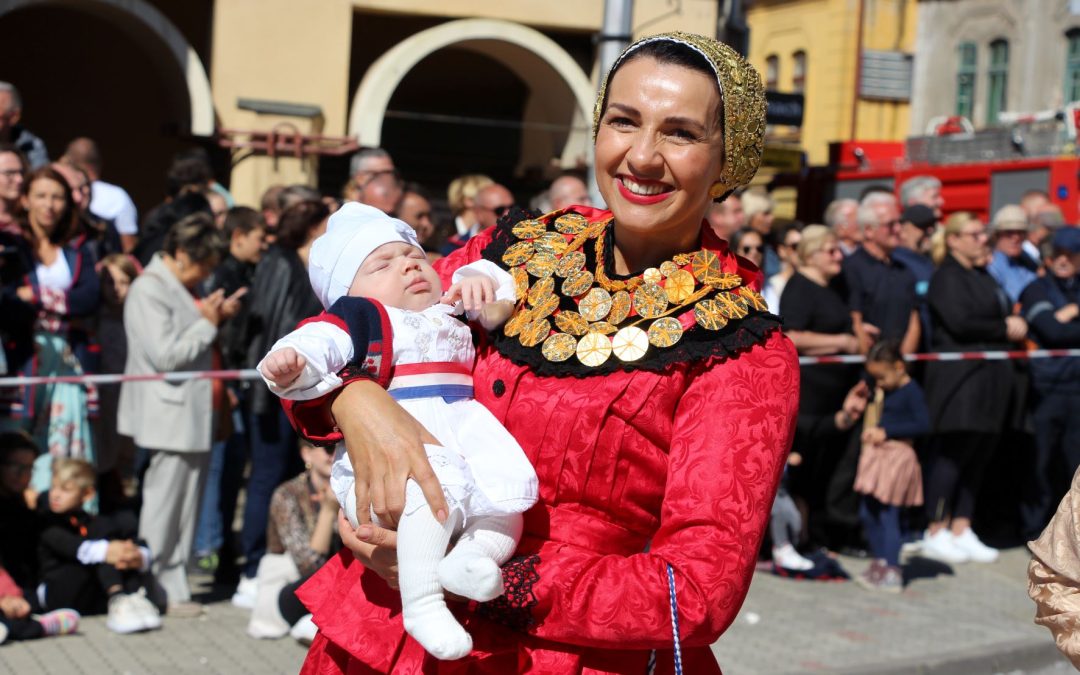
(670,460)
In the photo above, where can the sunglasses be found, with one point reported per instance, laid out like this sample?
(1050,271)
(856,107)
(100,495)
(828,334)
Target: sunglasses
(501,211)
(751,249)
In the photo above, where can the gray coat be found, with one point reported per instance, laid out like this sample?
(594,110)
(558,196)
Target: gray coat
(166,333)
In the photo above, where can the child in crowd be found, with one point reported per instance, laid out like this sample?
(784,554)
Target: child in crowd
(375,265)
(889,476)
(92,563)
(18,623)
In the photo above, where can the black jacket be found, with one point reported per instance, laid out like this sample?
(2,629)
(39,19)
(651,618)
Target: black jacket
(232,275)
(1040,300)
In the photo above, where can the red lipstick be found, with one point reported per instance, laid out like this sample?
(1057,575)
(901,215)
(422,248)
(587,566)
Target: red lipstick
(644,200)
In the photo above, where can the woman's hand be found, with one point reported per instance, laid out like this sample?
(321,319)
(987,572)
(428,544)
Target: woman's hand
(854,406)
(232,305)
(26,294)
(386,448)
(210,306)
(378,553)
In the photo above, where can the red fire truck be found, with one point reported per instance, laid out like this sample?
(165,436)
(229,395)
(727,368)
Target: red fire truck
(980,171)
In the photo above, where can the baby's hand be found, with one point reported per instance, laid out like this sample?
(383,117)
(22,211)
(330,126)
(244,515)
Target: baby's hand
(283,366)
(474,293)
(873,435)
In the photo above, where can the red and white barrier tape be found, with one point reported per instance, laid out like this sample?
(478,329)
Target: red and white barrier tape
(253,374)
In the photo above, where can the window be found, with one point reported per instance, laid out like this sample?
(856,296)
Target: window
(965,80)
(772,71)
(798,71)
(1072,66)
(999,80)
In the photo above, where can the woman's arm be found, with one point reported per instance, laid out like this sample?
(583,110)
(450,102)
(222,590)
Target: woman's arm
(732,432)
(810,343)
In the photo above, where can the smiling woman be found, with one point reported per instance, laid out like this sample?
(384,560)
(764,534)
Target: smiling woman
(658,452)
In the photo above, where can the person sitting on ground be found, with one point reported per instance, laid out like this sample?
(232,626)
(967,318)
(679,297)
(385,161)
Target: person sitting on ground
(93,564)
(889,477)
(18,622)
(19,524)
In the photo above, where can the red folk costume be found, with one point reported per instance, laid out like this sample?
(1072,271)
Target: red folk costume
(657,410)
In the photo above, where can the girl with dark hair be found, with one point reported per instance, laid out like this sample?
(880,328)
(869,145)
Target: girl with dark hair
(58,295)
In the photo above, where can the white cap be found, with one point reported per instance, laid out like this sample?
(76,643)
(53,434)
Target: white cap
(352,233)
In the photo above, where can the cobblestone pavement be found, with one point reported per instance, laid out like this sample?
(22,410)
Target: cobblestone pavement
(977,620)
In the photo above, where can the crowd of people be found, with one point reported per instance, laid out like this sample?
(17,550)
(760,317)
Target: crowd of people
(112,495)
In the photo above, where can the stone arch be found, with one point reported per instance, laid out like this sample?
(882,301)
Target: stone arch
(533,56)
(163,41)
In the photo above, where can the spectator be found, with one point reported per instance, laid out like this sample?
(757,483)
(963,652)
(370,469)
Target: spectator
(841,216)
(20,526)
(492,203)
(568,190)
(219,207)
(384,191)
(924,190)
(363,165)
(17,622)
(168,330)
(294,194)
(969,400)
(881,291)
(462,198)
(726,217)
(93,565)
(818,321)
(269,204)
(917,222)
(107,201)
(301,537)
(415,209)
(60,287)
(758,207)
(750,245)
(790,234)
(1009,266)
(281,298)
(1051,306)
(30,146)
(100,234)
(1042,226)
(1033,202)
(185,184)
(12,176)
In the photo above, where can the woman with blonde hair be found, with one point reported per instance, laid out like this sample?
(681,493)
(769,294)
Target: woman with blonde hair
(461,196)
(970,401)
(758,207)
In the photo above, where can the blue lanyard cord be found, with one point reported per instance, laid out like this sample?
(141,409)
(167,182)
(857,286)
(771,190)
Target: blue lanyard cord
(674,620)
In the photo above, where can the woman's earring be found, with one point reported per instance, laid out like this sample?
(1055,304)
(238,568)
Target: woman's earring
(717,190)
(307,465)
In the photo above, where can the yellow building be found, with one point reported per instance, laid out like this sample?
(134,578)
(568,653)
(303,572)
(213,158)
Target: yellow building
(813,47)
(447,86)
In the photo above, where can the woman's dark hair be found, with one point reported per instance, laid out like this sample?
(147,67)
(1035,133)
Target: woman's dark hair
(737,238)
(16,441)
(198,237)
(676,54)
(69,219)
(885,351)
(296,222)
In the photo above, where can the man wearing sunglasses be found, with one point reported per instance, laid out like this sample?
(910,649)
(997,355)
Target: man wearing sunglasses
(492,203)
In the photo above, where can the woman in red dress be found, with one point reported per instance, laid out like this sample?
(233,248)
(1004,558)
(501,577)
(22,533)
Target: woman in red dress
(647,383)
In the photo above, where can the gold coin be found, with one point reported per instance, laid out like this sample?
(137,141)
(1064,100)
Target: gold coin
(534,333)
(732,305)
(571,223)
(708,315)
(630,344)
(541,265)
(559,347)
(547,305)
(679,286)
(705,266)
(667,268)
(571,322)
(521,319)
(550,242)
(665,332)
(681,259)
(650,301)
(754,299)
(620,307)
(594,349)
(528,229)
(577,284)
(727,280)
(570,264)
(521,281)
(518,254)
(595,305)
(652,275)
(603,327)
(541,289)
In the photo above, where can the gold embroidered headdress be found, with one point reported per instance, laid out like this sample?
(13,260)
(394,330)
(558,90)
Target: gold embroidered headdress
(743,98)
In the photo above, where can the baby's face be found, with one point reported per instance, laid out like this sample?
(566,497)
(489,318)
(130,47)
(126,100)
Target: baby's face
(398,275)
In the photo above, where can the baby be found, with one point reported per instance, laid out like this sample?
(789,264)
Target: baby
(368,262)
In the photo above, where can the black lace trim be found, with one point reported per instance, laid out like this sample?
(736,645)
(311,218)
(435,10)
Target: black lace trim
(697,344)
(514,607)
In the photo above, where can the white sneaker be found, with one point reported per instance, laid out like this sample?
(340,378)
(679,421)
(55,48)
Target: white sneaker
(3,633)
(943,547)
(151,617)
(304,630)
(244,597)
(976,550)
(787,557)
(124,616)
